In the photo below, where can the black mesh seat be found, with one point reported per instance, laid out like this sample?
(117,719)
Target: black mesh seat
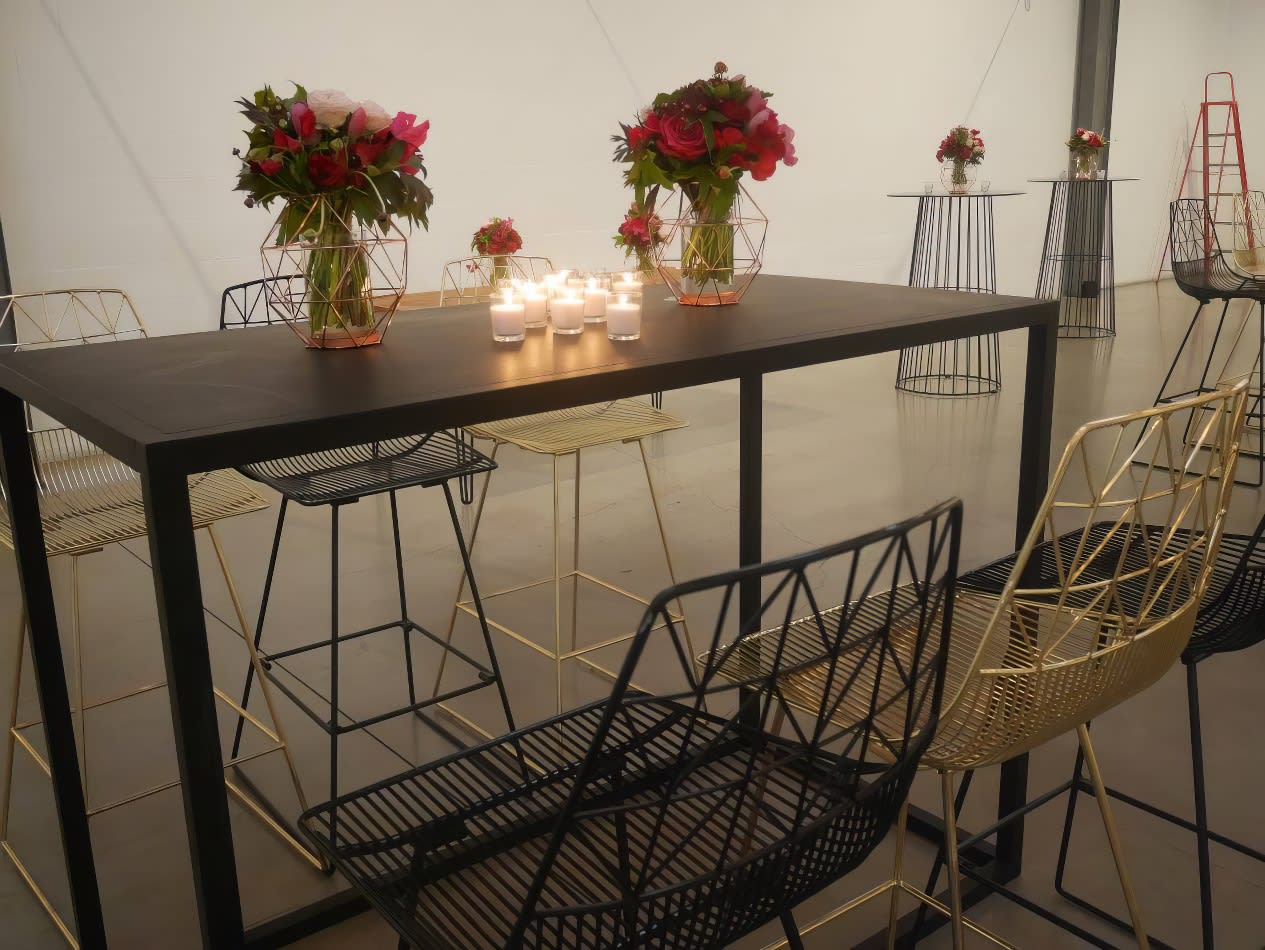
(337,478)
(689,817)
(1231,617)
(358,471)
(1202,270)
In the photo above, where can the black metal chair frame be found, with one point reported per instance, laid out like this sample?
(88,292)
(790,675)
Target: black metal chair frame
(1201,271)
(339,478)
(1231,618)
(691,818)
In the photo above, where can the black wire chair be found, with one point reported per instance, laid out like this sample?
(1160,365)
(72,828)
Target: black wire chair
(689,816)
(338,478)
(1202,271)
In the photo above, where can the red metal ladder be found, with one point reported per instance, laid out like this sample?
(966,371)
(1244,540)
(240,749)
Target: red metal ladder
(1219,138)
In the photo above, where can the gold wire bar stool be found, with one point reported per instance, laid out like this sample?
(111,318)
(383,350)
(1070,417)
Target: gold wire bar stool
(1076,628)
(89,499)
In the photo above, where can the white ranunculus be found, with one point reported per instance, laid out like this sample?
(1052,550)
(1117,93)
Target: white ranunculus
(376,117)
(330,107)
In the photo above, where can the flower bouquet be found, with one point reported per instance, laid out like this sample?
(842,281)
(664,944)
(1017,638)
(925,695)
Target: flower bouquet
(640,235)
(342,169)
(701,139)
(1085,145)
(962,147)
(497,239)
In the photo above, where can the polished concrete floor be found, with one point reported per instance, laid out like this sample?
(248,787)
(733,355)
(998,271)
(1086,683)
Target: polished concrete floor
(843,453)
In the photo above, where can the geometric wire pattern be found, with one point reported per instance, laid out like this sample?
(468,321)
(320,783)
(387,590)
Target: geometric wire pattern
(690,815)
(1249,232)
(474,279)
(1077,265)
(711,263)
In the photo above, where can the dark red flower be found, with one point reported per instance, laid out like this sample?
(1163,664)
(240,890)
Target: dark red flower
(267,166)
(638,137)
(367,152)
(281,140)
(328,171)
(682,138)
(734,111)
(729,136)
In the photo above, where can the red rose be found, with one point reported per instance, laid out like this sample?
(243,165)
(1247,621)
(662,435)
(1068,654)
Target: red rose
(638,137)
(681,138)
(328,171)
(281,140)
(635,231)
(304,120)
(652,122)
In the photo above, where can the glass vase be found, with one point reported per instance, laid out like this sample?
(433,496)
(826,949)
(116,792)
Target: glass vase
(710,259)
(1086,166)
(336,283)
(957,177)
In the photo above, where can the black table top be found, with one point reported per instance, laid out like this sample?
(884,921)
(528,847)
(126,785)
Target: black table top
(199,401)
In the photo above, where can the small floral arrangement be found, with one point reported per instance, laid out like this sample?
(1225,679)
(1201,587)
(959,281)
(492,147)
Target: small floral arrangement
(323,145)
(962,146)
(639,234)
(1086,141)
(496,238)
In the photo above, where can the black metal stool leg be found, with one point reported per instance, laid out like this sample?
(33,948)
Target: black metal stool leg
(466,482)
(333,666)
(793,939)
(1172,367)
(1201,804)
(399,576)
(1065,843)
(259,626)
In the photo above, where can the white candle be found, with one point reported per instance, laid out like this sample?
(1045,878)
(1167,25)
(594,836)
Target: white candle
(534,306)
(623,317)
(594,302)
(568,313)
(507,319)
(628,285)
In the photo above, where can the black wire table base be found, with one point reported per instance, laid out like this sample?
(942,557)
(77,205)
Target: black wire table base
(953,250)
(1077,268)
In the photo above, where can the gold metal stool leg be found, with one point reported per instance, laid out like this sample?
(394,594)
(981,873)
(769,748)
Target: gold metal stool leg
(663,538)
(557,584)
(1113,836)
(898,874)
(951,860)
(277,733)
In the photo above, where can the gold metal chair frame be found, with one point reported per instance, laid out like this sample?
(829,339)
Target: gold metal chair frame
(89,499)
(1248,253)
(1046,655)
(561,433)
(473,279)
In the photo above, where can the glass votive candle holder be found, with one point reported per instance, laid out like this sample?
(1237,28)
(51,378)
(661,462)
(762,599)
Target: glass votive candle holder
(508,324)
(567,312)
(596,290)
(623,316)
(535,305)
(626,283)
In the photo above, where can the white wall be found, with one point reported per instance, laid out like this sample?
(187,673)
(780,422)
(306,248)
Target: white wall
(1165,49)
(116,164)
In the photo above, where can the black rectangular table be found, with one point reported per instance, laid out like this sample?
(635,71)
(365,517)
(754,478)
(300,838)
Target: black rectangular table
(177,405)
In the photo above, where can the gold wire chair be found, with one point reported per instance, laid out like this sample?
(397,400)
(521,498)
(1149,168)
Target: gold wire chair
(89,499)
(557,434)
(1248,253)
(1078,627)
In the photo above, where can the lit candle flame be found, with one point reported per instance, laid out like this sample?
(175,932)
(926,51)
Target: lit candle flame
(623,298)
(509,294)
(592,283)
(627,278)
(570,293)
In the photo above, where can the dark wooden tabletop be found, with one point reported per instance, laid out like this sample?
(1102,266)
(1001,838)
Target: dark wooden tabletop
(209,400)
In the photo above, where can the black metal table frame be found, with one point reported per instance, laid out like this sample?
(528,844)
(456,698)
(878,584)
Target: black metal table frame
(182,621)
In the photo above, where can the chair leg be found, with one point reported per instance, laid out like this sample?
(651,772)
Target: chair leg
(461,584)
(937,864)
(1109,825)
(10,738)
(1069,820)
(1201,805)
(466,482)
(793,939)
(259,625)
(951,859)
(557,587)
(334,716)
(399,577)
(663,538)
(1159,396)
(575,546)
(898,876)
(77,640)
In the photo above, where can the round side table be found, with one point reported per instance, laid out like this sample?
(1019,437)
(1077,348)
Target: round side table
(953,250)
(1076,261)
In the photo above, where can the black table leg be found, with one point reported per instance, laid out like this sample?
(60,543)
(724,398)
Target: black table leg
(50,673)
(180,617)
(750,484)
(1034,478)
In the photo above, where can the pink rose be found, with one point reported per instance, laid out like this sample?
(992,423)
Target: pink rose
(304,122)
(356,124)
(376,117)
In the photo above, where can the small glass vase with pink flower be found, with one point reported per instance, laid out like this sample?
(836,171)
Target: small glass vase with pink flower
(960,152)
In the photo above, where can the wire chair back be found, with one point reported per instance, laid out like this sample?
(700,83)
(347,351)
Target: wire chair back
(257,302)
(691,809)
(1082,625)
(1248,253)
(473,279)
(1199,266)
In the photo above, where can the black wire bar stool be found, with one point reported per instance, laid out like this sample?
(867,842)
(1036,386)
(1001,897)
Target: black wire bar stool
(953,250)
(1202,271)
(690,815)
(1043,641)
(339,478)
(90,500)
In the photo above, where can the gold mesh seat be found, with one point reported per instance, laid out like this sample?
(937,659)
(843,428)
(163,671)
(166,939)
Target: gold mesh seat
(89,499)
(1076,628)
(568,430)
